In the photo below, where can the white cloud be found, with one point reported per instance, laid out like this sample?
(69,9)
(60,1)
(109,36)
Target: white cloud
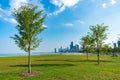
(68,24)
(17,3)
(104,5)
(5,14)
(81,22)
(45,26)
(62,4)
(38,3)
(67,3)
(56,2)
(11,20)
(113,2)
(60,10)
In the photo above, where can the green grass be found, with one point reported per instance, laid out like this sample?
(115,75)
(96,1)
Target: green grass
(61,67)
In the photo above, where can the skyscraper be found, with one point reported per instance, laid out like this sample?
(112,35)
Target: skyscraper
(118,43)
(114,45)
(71,45)
(55,50)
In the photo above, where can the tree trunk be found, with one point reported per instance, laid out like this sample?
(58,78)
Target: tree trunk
(87,55)
(98,55)
(29,59)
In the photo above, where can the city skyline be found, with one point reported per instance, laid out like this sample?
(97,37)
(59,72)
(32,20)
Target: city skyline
(66,21)
(70,48)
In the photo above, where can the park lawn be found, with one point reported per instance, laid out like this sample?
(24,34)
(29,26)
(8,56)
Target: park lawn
(61,67)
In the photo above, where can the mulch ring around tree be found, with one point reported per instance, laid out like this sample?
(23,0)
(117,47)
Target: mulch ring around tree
(26,74)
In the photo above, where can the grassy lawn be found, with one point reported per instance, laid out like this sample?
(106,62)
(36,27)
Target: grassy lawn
(61,67)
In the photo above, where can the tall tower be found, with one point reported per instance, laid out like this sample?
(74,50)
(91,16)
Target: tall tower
(77,47)
(118,43)
(71,45)
(55,50)
(114,45)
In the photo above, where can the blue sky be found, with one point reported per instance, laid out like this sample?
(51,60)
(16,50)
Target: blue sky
(66,21)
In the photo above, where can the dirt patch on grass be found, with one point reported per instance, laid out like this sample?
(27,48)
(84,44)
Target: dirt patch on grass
(26,74)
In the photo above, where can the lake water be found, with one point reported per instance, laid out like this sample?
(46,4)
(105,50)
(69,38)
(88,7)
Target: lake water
(24,54)
(38,53)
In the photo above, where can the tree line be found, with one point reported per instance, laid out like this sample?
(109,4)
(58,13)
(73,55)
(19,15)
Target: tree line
(93,42)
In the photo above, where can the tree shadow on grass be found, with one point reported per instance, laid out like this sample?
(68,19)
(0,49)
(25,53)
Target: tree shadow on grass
(89,61)
(47,65)
(52,59)
(68,60)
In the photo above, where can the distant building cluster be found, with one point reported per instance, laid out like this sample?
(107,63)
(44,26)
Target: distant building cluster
(117,44)
(71,48)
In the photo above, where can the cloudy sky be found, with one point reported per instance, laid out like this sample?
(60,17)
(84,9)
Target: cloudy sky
(66,21)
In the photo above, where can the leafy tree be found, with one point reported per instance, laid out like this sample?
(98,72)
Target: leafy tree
(30,24)
(106,49)
(98,33)
(86,43)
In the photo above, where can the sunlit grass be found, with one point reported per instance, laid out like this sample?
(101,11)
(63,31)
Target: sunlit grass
(61,67)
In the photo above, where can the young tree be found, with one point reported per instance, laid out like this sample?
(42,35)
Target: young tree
(86,43)
(106,49)
(30,24)
(98,35)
